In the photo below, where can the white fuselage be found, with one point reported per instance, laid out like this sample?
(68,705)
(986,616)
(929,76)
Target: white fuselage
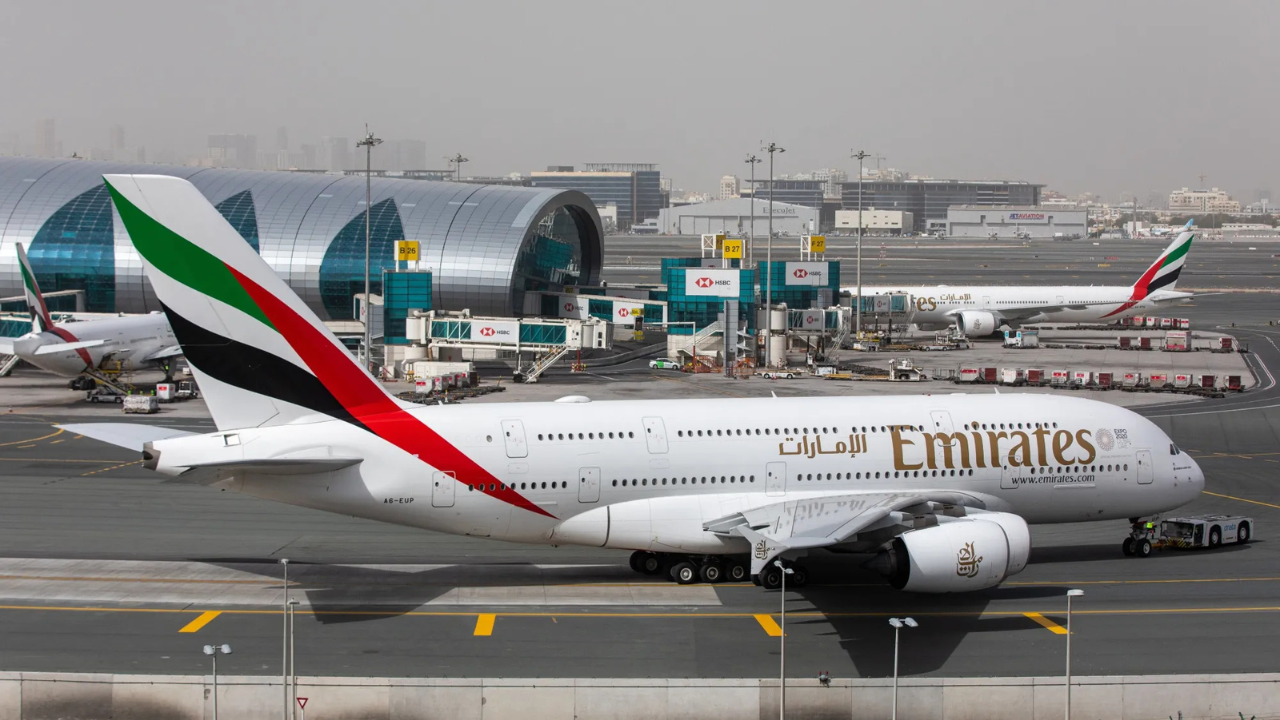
(129,343)
(939,304)
(646,475)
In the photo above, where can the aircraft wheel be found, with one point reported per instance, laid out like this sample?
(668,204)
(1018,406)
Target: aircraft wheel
(711,572)
(1143,548)
(771,578)
(637,560)
(736,572)
(1127,547)
(650,563)
(684,573)
(799,576)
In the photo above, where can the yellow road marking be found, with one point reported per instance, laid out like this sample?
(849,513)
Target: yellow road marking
(770,627)
(57,460)
(107,469)
(55,442)
(484,624)
(32,440)
(668,615)
(204,619)
(90,578)
(24,447)
(1034,583)
(1233,497)
(1052,626)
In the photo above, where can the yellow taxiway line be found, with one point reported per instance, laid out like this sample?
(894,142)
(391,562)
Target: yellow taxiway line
(484,624)
(1233,497)
(771,627)
(1052,626)
(203,619)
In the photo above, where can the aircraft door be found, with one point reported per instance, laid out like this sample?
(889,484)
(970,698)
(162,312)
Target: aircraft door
(589,485)
(1007,474)
(1146,473)
(513,437)
(1060,300)
(655,435)
(986,302)
(442,487)
(775,478)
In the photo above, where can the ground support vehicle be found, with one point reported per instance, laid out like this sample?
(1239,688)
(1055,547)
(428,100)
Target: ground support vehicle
(664,364)
(1188,532)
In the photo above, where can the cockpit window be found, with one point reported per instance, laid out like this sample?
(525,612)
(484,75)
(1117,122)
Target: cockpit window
(1173,449)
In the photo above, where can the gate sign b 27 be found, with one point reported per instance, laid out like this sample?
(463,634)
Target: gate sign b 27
(706,282)
(500,332)
(807,273)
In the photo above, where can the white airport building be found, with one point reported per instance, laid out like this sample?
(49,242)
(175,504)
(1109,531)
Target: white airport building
(733,217)
(876,222)
(1011,221)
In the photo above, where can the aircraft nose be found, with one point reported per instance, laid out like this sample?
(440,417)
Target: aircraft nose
(1197,478)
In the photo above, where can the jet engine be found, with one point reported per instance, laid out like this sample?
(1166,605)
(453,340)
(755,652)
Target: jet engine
(977,323)
(971,553)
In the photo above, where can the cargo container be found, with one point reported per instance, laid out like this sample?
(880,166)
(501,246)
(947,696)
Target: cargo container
(1103,380)
(1126,343)
(968,375)
(1035,376)
(990,374)
(1176,341)
(165,392)
(1166,323)
(1227,344)
(1010,376)
(1182,323)
(1158,380)
(1152,322)
(1137,321)
(1144,343)
(1207,381)
(1233,383)
(1181,380)
(1059,377)
(1080,378)
(1131,379)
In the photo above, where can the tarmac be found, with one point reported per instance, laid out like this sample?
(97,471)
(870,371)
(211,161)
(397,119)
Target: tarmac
(105,567)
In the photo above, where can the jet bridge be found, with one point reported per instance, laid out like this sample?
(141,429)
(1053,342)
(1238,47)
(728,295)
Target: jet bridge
(534,343)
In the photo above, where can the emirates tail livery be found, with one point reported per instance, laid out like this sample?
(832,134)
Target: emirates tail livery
(982,310)
(941,488)
(130,342)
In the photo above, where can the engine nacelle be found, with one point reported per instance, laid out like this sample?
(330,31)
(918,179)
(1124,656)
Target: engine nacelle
(977,323)
(971,553)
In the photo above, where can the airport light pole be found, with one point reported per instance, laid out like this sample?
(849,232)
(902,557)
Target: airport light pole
(368,143)
(284,650)
(293,666)
(752,160)
(1072,593)
(212,651)
(897,624)
(857,314)
(457,161)
(771,148)
(782,655)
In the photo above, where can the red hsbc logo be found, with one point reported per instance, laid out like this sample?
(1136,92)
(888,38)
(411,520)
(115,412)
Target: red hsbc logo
(568,307)
(487,332)
(624,312)
(810,320)
(704,282)
(801,273)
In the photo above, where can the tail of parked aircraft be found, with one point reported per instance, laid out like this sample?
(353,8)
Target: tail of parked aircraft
(261,356)
(40,319)
(1163,273)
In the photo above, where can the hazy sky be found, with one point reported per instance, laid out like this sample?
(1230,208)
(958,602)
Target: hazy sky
(1105,96)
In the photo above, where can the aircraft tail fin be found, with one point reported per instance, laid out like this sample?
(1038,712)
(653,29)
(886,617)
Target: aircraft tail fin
(262,357)
(1163,273)
(40,318)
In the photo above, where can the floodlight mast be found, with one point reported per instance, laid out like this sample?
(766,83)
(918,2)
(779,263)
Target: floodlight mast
(771,148)
(368,143)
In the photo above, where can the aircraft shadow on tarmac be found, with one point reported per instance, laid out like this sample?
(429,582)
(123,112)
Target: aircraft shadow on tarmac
(856,605)
(1110,551)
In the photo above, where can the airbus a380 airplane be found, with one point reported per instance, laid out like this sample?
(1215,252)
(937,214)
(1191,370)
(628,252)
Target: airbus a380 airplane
(983,309)
(942,487)
(134,342)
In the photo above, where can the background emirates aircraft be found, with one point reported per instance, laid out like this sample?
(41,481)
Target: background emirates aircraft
(132,342)
(941,487)
(982,309)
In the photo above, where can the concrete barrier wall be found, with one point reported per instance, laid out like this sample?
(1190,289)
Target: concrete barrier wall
(52,696)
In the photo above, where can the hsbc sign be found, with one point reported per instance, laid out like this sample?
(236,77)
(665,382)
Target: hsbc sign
(625,313)
(499,332)
(807,273)
(708,282)
(573,307)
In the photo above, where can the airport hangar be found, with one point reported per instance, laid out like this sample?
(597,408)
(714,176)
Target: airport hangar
(487,246)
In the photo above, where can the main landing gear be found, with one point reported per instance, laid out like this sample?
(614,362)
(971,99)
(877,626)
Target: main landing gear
(690,569)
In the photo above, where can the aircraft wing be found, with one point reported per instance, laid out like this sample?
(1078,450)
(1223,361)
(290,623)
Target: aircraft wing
(131,436)
(164,353)
(827,520)
(63,347)
(6,346)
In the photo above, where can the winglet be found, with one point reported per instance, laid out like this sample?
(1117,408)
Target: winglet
(40,318)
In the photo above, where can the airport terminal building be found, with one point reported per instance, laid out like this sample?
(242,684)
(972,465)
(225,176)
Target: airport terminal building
(486,245)
(967,221)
